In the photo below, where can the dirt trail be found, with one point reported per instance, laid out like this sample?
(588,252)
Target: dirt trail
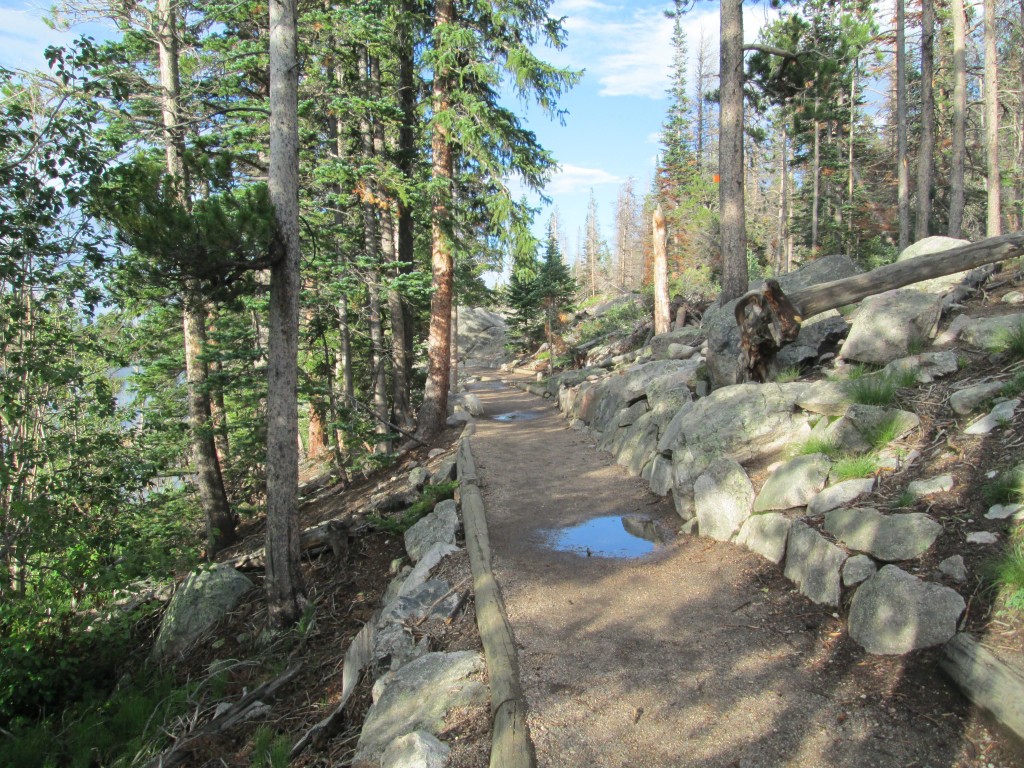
(697,655)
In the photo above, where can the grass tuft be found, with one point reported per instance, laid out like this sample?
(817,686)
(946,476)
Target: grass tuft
(1007,573)
(1010,341)
(823,445)
(883,433)
(879,389)
(853,467)
(786,375)
(1006,488)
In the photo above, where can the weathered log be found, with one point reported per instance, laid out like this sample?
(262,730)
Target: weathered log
(770,319)
(511,746)
(985,680)
(331,534)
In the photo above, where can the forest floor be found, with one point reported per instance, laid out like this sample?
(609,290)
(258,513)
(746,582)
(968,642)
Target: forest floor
(698,654)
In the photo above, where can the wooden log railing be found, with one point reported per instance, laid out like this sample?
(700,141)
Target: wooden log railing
(770,319)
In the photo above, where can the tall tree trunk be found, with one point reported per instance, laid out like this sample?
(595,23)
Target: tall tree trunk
(285,590)
(849,156)
(662,317)
(220,522)
(957,193)
(924,150)
(993,225)
(434,410)
(730,153)
(902,159)
(815,183)
(782,257)
(371,243)
(401,323)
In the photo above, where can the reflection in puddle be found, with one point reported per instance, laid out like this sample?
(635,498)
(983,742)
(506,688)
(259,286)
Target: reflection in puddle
(518,416)
(614,536)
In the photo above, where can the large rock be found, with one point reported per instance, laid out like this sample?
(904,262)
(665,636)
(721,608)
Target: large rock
(884,537)
(418,749)
(830,398)
(720,322)
(766,535)
(794,483)
(895,613)
(859,430)
(927,366)
(821,333)
(427,562)
(989,332)
(689,336)
(927,247)
(722,498)
(393,640)
(969,399)
(618,391)
(639,444)
(749,423)
(814,564)
(888,326)
(1000,416)
(439,526)
(482,336)
(418,697)
(840,494)
(204,598)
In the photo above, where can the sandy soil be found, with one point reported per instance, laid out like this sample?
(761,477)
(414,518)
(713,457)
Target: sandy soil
(700,654)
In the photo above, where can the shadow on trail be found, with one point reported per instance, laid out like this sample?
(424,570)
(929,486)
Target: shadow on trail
(700,654)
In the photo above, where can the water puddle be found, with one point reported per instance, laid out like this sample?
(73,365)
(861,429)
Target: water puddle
(613,536)
(518,416)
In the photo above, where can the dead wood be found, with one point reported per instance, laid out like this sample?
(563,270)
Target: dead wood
(769,319)
(234,715)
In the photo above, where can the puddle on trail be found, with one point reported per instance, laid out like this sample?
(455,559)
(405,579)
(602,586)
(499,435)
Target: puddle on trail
(613,536)
(518,416)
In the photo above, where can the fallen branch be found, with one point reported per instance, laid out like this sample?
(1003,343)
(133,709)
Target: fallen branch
(770,319)
(331,534)
(228,719)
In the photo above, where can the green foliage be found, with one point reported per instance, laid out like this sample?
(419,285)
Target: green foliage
(695,284)
(883,433)
(432,494)
(620,317)
(904,500)
(1006,488)
(851,467)
(270,750)
(1013,387)
(112,731)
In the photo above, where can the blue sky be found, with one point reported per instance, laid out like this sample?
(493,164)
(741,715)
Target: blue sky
(615,113)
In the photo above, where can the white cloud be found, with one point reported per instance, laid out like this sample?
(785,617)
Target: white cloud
(571,179)
(628,49)
(24,37)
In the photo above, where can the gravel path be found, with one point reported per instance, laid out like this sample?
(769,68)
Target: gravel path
(697,655)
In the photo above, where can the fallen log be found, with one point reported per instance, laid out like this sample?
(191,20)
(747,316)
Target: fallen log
(331,534)
(770,319)
(986,680)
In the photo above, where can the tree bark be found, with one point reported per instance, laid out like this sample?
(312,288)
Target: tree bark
(434,409)
(992,182)
(285,590)
(959,149)
(924,151)
(662,317)
(220,522)
(902,158)
(730,154)
(781,234)
(815,183)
